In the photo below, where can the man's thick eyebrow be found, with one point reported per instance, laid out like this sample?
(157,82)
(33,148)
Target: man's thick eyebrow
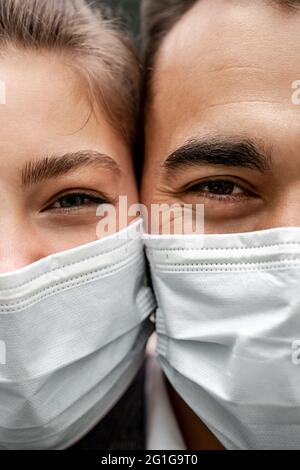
(37,171)
(242,153)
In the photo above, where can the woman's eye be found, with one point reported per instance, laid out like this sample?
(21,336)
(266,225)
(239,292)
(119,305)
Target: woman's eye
(75,201)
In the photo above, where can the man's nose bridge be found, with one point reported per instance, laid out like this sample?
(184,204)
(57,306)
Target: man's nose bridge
(286,213)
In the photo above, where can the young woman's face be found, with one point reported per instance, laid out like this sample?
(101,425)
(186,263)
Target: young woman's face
(58,160)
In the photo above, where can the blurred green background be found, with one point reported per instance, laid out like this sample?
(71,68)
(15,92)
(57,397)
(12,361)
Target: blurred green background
(127,9)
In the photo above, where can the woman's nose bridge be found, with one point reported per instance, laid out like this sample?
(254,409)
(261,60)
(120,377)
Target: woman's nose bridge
(19,246)
(14,256)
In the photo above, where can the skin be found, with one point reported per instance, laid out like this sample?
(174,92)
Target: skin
(47,120)
(234,83)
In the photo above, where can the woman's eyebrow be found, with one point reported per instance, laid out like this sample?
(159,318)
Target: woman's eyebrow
(52,166)
(230,152)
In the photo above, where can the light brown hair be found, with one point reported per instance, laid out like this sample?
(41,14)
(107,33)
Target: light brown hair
(90,42)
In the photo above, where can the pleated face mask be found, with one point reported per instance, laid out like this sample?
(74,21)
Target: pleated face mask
(228,324)
(73,328)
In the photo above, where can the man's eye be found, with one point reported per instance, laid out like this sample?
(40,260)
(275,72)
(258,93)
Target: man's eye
(75,201)
(221,189)
(225,188)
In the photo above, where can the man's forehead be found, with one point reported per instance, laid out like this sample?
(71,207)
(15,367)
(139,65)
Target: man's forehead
(219,34)
(228,74)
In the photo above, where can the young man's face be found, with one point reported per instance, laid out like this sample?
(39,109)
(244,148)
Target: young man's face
(223,125)
(59,160)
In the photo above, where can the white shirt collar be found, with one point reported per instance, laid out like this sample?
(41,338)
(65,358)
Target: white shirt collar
(163,432)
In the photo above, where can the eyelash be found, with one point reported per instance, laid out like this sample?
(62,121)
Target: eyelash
(97,200)
(196,189)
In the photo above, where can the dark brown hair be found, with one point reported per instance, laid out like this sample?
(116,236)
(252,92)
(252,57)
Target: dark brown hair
(89,42)
(158,18)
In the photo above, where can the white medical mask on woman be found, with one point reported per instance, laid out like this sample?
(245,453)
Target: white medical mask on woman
(228,324)
(74,327)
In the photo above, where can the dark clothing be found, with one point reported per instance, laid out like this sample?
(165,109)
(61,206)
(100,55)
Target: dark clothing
(123,428)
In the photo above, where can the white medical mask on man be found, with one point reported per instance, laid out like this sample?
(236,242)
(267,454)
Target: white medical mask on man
(228,324)
(74,326)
